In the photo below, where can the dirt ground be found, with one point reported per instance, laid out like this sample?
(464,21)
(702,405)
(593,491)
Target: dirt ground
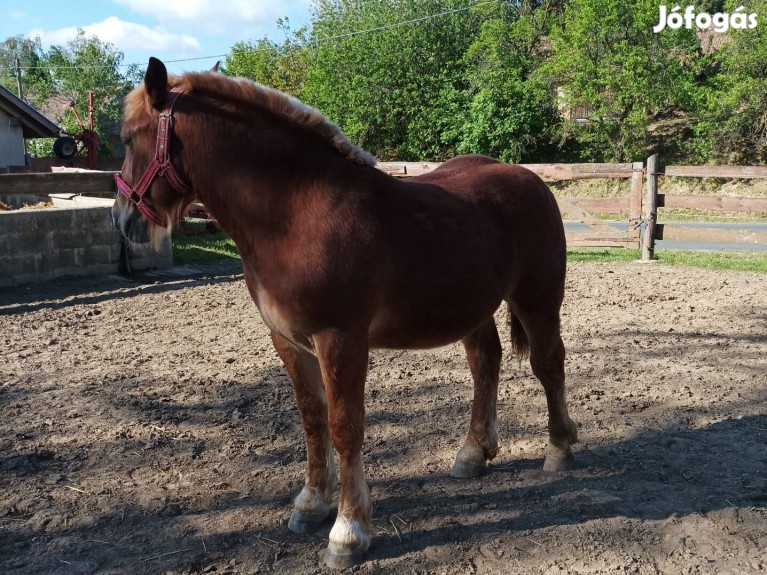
(148,427)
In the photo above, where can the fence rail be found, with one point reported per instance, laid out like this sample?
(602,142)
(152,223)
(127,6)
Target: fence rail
(714,171)
(44,184)
(681,232)
(647,178)
(547,172)
(714,203)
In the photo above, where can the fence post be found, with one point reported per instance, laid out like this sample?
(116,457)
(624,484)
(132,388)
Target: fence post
(635,205)
(651,208)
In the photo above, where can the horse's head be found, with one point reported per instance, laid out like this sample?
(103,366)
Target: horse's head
(152,193)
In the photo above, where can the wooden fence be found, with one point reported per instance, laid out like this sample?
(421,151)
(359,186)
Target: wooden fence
(600,234)
(676,231)
(45,184)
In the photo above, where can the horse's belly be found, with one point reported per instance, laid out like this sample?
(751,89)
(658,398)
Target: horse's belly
(425,328)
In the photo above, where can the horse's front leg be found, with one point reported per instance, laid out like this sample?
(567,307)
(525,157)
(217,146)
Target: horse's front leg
(343,358)
(312,505)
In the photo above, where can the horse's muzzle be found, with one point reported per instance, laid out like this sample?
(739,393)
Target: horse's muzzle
(132,226)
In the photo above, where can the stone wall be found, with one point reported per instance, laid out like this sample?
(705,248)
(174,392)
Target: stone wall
(45,244)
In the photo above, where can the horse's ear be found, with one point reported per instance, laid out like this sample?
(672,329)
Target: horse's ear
(156,83)
(215,66)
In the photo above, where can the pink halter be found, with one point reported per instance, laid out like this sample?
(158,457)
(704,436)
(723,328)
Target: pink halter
(160,166)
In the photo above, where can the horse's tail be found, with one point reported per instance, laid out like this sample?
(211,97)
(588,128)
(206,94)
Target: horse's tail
(519,342)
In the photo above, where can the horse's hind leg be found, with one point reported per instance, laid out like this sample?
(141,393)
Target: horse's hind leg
(312,505)
(547,358)
(483,351)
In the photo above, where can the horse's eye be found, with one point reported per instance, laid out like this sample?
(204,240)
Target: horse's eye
(127,141)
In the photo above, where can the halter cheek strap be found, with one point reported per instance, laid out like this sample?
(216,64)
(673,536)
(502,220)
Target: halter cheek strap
(160,166)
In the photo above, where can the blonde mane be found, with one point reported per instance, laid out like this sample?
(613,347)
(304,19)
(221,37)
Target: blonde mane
(282,105)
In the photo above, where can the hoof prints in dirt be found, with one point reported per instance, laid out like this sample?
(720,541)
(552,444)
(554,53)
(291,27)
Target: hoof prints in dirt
(150,428)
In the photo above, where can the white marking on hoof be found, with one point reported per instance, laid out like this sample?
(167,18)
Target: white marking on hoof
(311,500)
(309,512)
(349,534)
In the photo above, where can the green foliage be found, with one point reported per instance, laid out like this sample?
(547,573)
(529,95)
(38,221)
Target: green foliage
(511,110)
(607,59)
(603,255)
(50,81)
(282,66)
(87,64)
(740,261)
(36,82)
(428,79)
(732,109)
(193,245)
(400,91)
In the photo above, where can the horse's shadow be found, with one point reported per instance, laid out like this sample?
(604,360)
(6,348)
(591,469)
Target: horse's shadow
(656,474)
(653,476)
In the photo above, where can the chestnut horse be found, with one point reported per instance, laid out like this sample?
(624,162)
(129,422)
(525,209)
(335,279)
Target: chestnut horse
(340,258)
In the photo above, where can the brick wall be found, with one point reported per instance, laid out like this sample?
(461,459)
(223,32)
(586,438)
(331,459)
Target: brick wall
(45,244)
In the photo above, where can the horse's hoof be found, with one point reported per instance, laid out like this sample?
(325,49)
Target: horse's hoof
(559,463)
(463,469)
(303,522)
(469,462)
(341,558)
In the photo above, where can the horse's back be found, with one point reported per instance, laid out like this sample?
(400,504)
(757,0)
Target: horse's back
(477,175)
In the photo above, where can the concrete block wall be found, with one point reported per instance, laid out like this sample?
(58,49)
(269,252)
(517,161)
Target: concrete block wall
(45,244)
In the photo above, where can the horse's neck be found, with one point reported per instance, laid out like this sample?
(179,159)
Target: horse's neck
(257,195)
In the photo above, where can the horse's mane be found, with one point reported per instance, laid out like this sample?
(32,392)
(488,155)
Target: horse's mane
(247,92)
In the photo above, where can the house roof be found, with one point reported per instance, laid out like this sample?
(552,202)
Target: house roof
(33,123)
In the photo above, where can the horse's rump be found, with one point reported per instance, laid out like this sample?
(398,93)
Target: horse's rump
(458,240)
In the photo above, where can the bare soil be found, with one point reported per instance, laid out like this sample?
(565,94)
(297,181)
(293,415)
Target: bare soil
(148,427)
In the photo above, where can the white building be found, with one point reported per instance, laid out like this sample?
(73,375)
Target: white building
(19,121)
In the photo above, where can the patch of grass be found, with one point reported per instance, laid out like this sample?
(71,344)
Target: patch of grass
(603,255)
(742,261)
(193,245)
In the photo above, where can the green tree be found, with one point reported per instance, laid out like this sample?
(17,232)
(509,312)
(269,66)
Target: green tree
(732,103)
(283,66)
(511,110)
(392,74)
(606,57)
(35,80)
(88,64)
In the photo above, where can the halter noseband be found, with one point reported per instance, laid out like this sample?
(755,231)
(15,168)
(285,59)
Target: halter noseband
(160,166)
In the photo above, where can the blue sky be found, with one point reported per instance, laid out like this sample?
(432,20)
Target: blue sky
(166,29)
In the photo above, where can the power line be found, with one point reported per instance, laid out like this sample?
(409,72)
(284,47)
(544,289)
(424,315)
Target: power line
(405,22)
(97,66)
(317,41)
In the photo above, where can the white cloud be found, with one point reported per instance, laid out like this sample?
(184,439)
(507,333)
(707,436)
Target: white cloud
(126,36)
(218,16)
